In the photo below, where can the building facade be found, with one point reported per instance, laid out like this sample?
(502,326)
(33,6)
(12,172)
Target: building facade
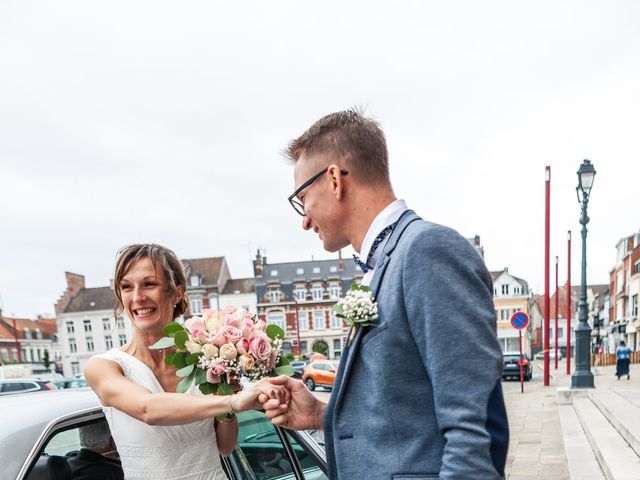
(206,280)
(510,295)
(299,297)
(624,288)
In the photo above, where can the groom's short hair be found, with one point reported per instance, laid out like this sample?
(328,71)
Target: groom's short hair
(350,136)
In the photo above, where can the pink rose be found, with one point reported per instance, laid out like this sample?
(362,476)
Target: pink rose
(247,363)
(260,348)
(247,328)
(215,371)
(243,346)
(273,358)
(260,325)
(228,351)
(196,327)
(232,334)
(218,338)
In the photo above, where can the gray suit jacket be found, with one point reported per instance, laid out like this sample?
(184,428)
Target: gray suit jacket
(419,396)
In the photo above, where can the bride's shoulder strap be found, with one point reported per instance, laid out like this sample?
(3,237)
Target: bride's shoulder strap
(117,356)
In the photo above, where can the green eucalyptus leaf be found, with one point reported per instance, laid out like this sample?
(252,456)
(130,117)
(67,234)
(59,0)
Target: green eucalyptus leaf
(183,372)
(201,376)
(224,389)
(208,388)
(274,331)
(180,338)
(173,328)
(284,370)
(164,342)
(184,385)
(180,360)
(168,359)
(338,309)
(193,358)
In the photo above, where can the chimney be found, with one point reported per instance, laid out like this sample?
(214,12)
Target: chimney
(340,261)
(75,283)
(258,266)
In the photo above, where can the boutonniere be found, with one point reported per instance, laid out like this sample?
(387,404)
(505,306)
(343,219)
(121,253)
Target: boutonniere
(358,307)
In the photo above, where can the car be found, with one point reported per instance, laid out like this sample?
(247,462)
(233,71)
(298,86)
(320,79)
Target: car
(552,355)
(71,383)
(24,385)
(298,367)
(42,430)
(320,373)
(511,366)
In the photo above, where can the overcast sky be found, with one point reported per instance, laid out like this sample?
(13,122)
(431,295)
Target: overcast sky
(126,122)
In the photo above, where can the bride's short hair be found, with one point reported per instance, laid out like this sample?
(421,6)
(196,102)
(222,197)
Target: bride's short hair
(160,256)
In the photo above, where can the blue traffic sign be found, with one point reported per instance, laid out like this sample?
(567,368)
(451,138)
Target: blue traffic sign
(519,320)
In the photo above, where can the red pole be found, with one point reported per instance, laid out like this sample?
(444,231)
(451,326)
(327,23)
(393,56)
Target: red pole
(520,362)
(556,324)
(569,302)
(546,273)
(297,325)
(15,335)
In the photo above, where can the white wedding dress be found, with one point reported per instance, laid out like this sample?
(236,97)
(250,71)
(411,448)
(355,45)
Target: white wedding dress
(161,452)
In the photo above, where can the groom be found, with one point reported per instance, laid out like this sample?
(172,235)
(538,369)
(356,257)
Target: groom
(418,395)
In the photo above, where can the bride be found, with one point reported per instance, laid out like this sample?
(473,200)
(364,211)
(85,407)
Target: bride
(159,433)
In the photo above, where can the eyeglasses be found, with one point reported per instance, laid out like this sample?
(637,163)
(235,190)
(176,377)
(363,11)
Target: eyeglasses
(297,204)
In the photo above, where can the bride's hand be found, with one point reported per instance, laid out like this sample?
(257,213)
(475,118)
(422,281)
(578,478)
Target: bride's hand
(247,399)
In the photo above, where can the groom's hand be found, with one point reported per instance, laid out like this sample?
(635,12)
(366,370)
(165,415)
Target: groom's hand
(303,411)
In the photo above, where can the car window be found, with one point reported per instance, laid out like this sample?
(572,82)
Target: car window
(65,446)
(18,386)
(262,455)
(310,467)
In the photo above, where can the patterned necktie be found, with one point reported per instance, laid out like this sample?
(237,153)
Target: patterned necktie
(365,267)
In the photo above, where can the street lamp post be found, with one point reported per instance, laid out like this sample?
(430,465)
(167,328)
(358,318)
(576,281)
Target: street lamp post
(582,376)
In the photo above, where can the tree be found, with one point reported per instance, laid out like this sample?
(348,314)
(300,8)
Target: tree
(46,360)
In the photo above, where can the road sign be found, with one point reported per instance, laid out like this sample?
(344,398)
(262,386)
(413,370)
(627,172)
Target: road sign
(519,320)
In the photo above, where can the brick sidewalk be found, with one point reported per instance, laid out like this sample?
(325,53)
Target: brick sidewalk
(536,448)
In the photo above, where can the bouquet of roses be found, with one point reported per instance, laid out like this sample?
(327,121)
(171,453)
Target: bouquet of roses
(222,344)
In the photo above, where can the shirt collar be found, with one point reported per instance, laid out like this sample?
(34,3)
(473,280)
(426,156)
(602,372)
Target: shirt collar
(386,217)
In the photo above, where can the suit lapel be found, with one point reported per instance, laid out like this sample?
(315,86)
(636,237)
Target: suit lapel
(405,219)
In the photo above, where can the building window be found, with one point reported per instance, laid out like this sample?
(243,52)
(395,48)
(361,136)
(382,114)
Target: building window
(87,326)
(316,269)
(213,301)
(303,321)
(301,293)
(38,334)
(194,280)
(106,324)
(333,269)
(276,318)
(72,345)
(334,291)
(27,333)
(274,273)
(505,289)
(120,323)
(516,290)
(300,271)
(336,322)
(303,346)
(89,344)
(75,368)
(274,296)
(70,328)
(317,292)
(122,339)
(108,342)
(504,314)
(318,319)
(337,348)
(196,306)
(5,355)
(634,305)
(637,267)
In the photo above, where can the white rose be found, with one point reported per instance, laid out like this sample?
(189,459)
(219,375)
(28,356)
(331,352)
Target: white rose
(228,351)
(209,350)
(193,347)
(247,363)
(214,322)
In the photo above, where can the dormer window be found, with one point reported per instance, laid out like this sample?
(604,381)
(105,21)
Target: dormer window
(316,269)
(300,271)
(274,273)
(38,334)
(195,280)
(27,333)
(505,289)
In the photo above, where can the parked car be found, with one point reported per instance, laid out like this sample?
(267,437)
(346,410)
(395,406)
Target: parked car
(320,373)
(298,367)
(43,431)
(552,355)
(511,366)
(71,383)
(24,385)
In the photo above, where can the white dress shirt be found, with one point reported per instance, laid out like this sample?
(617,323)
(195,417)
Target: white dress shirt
(386,217)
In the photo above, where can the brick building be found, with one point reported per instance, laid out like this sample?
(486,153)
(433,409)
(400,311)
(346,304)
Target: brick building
(624,289)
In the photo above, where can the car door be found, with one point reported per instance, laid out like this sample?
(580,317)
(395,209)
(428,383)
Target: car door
(266,452)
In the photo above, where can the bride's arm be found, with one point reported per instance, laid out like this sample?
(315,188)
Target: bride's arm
(115,390)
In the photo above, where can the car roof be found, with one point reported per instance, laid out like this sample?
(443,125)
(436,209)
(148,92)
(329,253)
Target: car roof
(24,416)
